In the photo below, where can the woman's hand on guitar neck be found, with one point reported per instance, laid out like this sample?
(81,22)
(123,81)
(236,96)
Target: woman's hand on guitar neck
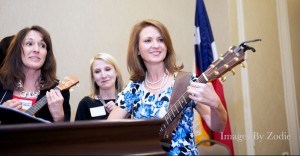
(209,105)
(203,94)
(55,104)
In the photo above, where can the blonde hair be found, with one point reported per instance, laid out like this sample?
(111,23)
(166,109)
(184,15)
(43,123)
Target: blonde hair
(111,60)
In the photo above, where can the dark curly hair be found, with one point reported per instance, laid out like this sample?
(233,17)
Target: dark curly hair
(12,69)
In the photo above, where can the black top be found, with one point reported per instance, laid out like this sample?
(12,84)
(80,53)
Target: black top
(44,113)
(88,106)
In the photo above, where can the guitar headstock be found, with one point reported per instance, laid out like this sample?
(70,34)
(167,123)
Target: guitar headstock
(233,57)
(67,82)
(225,63)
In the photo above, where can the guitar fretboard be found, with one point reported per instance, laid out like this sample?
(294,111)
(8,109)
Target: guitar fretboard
(180,104)
(38,105)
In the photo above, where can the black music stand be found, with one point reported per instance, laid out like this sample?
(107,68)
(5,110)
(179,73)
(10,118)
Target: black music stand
(13,116)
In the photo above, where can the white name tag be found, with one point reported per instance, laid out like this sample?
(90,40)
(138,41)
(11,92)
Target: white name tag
(26,104)
(97,111)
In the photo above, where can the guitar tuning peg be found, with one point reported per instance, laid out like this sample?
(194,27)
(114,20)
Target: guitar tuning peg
(71,89)
(243,65)
(216,72)
(230,49)
(232,71)
(77,85)
(223,78)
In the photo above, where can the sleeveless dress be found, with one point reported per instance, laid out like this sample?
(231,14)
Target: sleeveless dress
(142,104)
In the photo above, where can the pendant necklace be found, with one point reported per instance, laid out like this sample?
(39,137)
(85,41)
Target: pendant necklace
(103,102)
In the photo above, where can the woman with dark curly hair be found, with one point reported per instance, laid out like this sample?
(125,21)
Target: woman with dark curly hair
(29,73)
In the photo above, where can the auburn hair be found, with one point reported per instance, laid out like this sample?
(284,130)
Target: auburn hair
(135,63)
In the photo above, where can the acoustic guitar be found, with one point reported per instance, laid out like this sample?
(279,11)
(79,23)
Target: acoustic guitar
(230,59)
(65,84)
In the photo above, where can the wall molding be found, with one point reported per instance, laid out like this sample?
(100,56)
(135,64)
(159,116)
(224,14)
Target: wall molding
(288,77)
(245,84)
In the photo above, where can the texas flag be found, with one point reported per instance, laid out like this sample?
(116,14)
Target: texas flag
(205,54)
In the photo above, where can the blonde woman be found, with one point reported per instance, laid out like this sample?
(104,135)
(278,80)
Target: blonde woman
(106,82)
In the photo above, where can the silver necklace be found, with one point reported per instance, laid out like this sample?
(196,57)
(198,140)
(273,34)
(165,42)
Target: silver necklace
(31,94)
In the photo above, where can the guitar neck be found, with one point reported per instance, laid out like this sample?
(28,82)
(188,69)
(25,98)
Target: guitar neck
(178,107)
(38,105)
(231,58)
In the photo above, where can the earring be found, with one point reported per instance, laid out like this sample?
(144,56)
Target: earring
(139,53)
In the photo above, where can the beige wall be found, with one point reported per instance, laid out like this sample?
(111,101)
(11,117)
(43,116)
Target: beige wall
(294,18)
(266,91)
(265,75)
(236,107)
(81,28)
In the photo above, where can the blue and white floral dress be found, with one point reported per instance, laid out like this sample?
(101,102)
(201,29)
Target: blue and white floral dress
(142,104)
